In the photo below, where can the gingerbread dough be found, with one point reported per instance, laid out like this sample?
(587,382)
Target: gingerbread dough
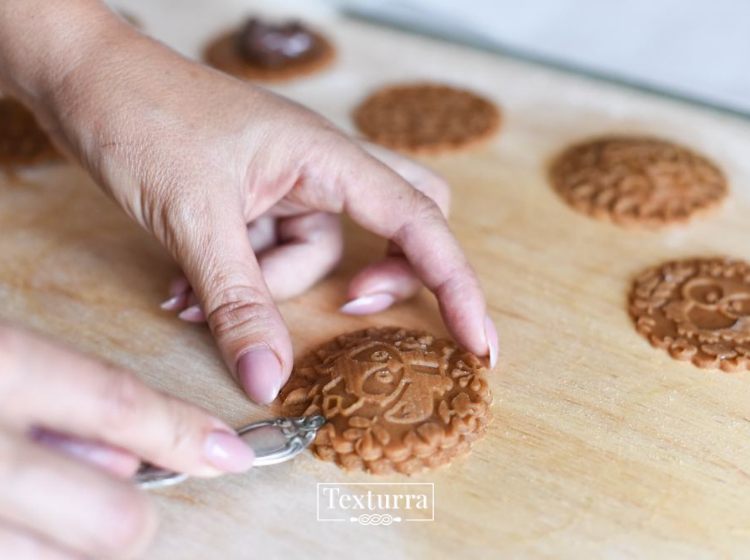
(395,400)
(698,310)
(427,118)
(637,180)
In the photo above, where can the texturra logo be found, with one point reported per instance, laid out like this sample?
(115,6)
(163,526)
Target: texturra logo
(376,503)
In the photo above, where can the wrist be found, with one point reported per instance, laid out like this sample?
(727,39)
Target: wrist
(43,42)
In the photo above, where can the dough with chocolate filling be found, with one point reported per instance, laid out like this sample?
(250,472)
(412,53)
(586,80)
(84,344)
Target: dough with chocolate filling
(427,118)
(395,400)
(260,51)
(22,141)
(696,309)
(637,181)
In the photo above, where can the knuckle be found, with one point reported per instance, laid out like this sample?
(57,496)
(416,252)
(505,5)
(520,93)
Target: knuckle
(178,217)
(423,214)
(128,523)
(460,280)
(241,309)
(424,210)
(427,209)
(121,401)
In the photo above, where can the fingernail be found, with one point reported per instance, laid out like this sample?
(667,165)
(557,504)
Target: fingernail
(173,303)
(366,305)
(193,314)
(227,452)
(259,372)
(492,342)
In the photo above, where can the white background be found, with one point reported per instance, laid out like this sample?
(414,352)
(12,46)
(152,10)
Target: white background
(699,48)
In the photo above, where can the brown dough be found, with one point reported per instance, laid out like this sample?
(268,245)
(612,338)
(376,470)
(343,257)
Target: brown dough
(394,400)
(427,118)
(696,309)
(22,141)
(222,53)
(637,180)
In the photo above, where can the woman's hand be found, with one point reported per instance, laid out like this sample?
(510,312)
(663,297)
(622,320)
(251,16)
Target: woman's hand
(308,253)
(196,157)
(67,496)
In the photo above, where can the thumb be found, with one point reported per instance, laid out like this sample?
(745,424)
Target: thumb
(251,335)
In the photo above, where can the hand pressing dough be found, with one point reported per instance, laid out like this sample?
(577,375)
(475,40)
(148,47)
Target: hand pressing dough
(394,400)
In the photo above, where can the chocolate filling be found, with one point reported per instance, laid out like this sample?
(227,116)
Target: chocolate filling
(22,140)
(275,46)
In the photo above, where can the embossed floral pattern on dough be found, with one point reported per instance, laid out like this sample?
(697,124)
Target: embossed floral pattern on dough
(425,118)
(394,400)
(698,310)
(637,180)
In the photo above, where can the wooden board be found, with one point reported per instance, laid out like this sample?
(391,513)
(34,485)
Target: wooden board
(601,445)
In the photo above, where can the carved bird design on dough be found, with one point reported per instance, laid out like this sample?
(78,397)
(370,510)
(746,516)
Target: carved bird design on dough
(380,374)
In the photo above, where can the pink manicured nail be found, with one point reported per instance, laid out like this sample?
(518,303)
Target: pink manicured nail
(259,372)
(174,303)
(366,305)
(492,341)
(193,314)
(227,452)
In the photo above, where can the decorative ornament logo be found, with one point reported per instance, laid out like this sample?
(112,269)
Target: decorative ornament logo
(375,519)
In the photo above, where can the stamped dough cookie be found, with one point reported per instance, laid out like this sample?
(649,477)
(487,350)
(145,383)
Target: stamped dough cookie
(395,400)
(270,53)
(427,118)
(22,141)
(697,309)
(637,180)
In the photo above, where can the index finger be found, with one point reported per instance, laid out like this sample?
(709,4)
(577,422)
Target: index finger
(44,385)
(383,202)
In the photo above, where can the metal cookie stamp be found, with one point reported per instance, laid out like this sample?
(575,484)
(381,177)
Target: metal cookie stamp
(274,441)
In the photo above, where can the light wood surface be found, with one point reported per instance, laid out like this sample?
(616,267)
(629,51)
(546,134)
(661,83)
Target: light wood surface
(601,445)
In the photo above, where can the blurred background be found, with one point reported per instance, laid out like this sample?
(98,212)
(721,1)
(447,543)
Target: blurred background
(692,49)
(696,49)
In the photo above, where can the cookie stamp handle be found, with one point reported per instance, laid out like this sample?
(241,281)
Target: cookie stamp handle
(274,441)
